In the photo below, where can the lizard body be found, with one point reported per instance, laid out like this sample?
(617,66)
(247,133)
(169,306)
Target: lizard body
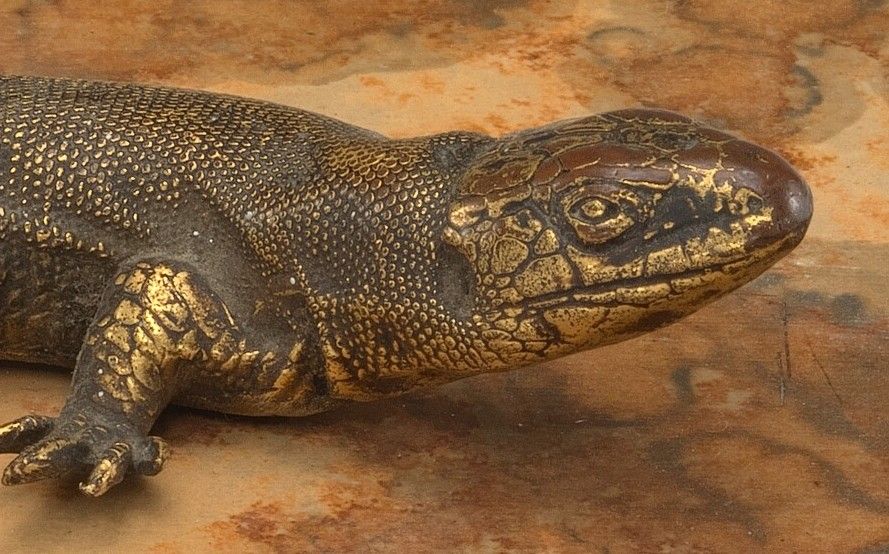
(240,256)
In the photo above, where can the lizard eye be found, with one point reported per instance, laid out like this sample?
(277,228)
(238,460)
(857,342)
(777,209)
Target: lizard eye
(593,210)
(596,218)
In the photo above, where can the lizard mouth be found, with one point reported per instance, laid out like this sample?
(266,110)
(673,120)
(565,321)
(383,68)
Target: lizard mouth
(661,289)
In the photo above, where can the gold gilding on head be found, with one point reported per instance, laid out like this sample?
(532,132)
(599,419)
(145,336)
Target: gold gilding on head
(594,230)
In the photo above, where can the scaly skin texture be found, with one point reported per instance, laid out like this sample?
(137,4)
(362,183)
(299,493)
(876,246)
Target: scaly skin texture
(178,246)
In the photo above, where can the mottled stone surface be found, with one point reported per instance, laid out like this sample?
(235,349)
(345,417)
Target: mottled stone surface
(758,424)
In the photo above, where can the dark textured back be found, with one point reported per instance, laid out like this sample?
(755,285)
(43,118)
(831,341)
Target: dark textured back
(341,216)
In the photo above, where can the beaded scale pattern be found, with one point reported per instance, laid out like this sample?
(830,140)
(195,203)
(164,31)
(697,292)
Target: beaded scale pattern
(240,256)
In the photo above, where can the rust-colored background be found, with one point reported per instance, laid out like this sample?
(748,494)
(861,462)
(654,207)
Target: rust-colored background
(759,424)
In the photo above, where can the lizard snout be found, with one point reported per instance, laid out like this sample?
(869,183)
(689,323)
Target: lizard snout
(781,188)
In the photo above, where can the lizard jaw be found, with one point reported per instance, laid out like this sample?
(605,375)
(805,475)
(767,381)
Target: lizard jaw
(718,278)
(558,323)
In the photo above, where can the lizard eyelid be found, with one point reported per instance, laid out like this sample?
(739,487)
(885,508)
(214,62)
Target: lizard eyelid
(597,217)
(593,210)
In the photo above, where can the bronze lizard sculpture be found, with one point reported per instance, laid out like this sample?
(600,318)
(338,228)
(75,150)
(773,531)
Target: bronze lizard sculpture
(250,258)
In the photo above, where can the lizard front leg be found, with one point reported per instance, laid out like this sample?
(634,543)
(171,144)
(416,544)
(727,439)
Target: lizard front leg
(157,327)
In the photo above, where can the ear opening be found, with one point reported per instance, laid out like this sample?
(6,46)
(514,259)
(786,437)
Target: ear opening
(455,281)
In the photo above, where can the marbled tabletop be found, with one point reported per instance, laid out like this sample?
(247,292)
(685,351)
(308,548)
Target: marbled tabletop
(758,424)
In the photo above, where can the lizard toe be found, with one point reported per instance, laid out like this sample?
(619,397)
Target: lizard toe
(52,447)
(153,456)
(16,435)
(109,471)
(49,458)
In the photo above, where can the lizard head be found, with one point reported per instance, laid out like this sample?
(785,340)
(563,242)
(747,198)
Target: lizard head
(594,230)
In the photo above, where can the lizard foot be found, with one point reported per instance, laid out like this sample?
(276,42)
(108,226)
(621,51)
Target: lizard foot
(50,447)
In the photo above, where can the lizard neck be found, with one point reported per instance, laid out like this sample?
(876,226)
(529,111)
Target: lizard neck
(389,298)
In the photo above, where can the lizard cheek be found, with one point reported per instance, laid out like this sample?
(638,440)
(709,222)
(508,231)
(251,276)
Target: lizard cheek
(546,275)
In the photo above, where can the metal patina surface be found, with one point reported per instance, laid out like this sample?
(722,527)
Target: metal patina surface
(253,259)
(530,246)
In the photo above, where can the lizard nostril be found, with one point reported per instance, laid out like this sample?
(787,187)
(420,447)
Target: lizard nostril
(754,204)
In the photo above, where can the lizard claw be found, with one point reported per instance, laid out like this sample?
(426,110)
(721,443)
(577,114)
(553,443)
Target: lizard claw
(16,435)
(109,471)
(113,465)
(156,453)
(47,459)
(50,448)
